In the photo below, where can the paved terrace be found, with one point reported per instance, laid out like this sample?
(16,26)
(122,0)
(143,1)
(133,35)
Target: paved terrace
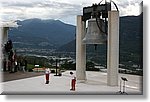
(96,84)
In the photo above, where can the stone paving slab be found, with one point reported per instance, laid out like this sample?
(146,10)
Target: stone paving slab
(19,75)
(96,84)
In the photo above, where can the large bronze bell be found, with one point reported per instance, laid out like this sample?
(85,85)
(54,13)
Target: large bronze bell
(94,35)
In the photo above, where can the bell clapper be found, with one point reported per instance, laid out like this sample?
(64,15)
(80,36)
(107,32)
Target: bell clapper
(95,46)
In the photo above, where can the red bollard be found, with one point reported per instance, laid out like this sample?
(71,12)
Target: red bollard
(73,84)
(47,74)
(47,78)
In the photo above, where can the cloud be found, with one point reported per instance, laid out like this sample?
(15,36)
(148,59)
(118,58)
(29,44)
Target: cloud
(39,8)
(128,7)
(56,9)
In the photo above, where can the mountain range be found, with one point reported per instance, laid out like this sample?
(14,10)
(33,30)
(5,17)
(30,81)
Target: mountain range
(54,34)
(130,34)
(37,33)
(130,42)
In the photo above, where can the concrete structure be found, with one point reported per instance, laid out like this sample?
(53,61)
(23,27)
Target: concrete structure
(4,27)
(96,84)
(80,50)
(4,34)
(113,49)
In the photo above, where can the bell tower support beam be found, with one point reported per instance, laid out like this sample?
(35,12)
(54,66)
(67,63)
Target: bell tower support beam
(80,50)
(113,48)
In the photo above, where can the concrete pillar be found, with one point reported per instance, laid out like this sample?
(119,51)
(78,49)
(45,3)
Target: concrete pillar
(113,48)
(80,50)
(4,34)
(3,40)
(1,35)
(1,56)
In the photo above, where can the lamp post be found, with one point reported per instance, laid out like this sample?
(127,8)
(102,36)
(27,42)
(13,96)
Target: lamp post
(56,67)
(103,26)
(56,64)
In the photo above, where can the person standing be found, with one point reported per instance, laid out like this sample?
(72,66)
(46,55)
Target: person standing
(4,64)
(25,62)
(14,57)
(47,74)
(11,59)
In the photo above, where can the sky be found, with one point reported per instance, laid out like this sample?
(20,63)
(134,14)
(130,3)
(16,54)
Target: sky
(64,10)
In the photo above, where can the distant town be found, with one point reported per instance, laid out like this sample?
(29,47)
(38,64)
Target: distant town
(67,60)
